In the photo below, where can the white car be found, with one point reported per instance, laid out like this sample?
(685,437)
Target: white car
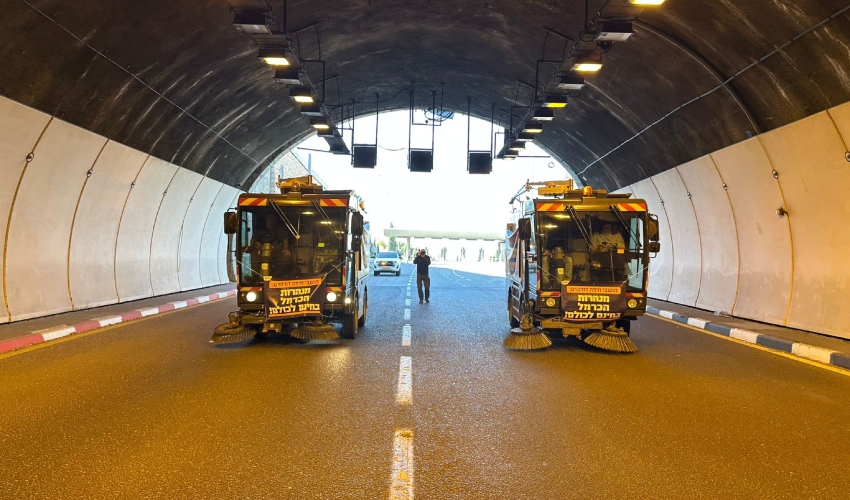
(387,262)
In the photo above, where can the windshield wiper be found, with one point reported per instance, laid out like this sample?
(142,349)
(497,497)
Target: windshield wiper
(289,225)
(584,231)
(619,214)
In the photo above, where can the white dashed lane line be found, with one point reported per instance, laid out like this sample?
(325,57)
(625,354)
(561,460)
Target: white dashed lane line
(407,314)
(407,303)
(405,336)
(402,476)
(404,395)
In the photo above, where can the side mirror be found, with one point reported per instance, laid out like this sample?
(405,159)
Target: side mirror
(524,228)
(653,247)
(652,228)
(231,223)
(356,243)
(356,224)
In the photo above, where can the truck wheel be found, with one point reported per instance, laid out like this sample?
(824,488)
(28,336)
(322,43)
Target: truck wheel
(362,320)
(625,324)
(349,325)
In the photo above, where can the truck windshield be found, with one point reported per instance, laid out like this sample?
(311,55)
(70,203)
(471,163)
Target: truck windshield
(290,241)
(598,247)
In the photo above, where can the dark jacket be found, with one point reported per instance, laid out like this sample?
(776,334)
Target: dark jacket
(422,264)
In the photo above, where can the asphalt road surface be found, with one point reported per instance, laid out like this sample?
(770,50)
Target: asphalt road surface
(151,409)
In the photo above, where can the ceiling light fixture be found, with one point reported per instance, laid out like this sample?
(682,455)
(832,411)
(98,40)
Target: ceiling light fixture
(288,76)
(524,137)
(570,81)
(587,65)
(646,2)
(251,23)
(320,124)
(276,57)
(554,101)
(532,128)
(312,109)
(517,146)
(615,31)
(544,114)
(301,94)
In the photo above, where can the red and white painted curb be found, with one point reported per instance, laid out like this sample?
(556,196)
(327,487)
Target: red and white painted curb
(56,332)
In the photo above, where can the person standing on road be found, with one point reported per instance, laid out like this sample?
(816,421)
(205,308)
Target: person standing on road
(422,262)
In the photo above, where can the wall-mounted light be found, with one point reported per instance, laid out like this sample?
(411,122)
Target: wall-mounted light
(544,114)
(288,76)
(615,31)
(554,101)
(586,65)
(312,109)
(532,128)
(301,94)
(570,81)
(251,23)
(524,137)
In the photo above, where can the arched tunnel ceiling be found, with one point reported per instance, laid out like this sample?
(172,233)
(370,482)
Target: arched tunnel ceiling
(176,80)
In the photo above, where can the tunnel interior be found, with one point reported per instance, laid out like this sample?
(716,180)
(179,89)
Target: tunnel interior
(718,114)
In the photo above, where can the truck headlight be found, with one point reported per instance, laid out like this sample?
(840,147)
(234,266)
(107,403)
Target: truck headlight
(251,296)
(632,303)
(347,300)
(550,302)
(331,296)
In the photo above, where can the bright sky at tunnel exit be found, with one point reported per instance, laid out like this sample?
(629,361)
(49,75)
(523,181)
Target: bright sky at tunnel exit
(448,197)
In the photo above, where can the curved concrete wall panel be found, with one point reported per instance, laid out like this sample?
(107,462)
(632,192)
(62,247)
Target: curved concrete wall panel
(687,260)
(192,233)
(211,249)
(20,129)
(40,225)
(717,235)
(165,245)
(83,222)
(764,284)
(661,267)
(841,117)
(132,255)
(813,175)
(95,231)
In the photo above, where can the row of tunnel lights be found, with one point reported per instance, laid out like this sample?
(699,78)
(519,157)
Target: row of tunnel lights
(287,72)
(615,31)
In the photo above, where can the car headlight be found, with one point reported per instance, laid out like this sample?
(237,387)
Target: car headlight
(550,302)
(331,296)
(251,296)
(632,303)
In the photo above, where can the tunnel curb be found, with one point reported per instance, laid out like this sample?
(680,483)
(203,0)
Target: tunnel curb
(798,349)
(56,332)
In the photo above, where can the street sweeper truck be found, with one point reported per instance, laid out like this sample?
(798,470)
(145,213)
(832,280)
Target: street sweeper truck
(577,265)
(302,263)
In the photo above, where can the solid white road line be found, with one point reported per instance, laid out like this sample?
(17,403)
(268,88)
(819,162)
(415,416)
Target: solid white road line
(401,487)
(404,394)
(405,336)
